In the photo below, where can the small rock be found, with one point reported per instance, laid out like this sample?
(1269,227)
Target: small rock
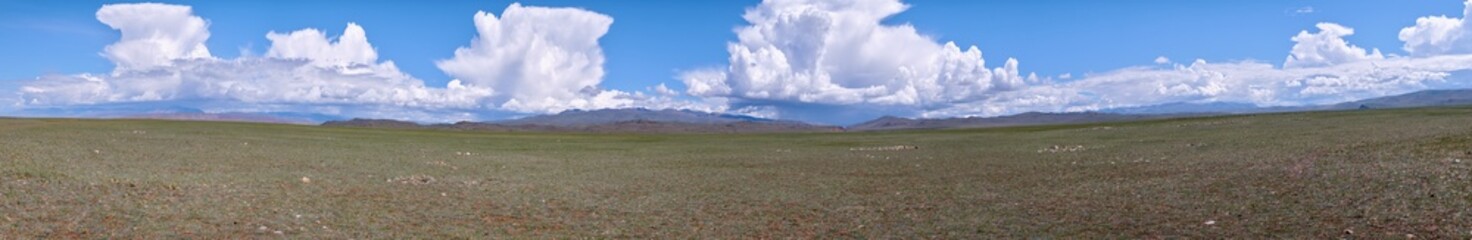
(1210,222)
(306,180)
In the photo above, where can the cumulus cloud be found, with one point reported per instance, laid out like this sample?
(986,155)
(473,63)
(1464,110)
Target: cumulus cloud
(153,34)
(1245,82)
(538,59)
(1436,35)
(352,48)
(1326,48)
(838,52)
(162,58)
(530,60)
(303,67)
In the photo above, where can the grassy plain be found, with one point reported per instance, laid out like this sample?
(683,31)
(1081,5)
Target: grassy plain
(1360,174)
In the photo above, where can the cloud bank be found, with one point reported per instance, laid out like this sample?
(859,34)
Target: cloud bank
(531,60)
(838,54)
(162,58)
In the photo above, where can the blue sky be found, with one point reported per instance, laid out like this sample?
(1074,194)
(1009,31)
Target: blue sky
(657,42)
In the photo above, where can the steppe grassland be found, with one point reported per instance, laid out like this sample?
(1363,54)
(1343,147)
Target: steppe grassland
(1371,174)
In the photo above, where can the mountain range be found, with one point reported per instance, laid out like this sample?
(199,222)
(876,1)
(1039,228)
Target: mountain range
(1428,98)
(613,120)
(647,120)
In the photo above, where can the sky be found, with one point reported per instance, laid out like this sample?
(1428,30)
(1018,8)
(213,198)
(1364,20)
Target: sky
(824,61)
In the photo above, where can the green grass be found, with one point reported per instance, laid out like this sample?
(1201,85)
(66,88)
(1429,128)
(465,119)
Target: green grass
(1351,174)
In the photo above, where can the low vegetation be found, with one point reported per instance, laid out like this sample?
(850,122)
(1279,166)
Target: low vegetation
(1352,174)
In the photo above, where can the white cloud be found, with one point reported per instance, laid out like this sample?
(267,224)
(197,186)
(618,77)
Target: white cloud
(154,34)
(352,48)
(1326,48)
(1162,60)
(1436,35)
(538,59)
(805,54)
(530,60)
(302,68)
(253,81)
(663,90)
(837,52)
(1246,82)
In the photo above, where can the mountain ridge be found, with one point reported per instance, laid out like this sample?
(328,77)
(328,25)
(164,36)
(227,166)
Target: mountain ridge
(628,120)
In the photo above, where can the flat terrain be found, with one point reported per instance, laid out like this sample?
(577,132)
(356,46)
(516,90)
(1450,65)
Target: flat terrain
(1361,174)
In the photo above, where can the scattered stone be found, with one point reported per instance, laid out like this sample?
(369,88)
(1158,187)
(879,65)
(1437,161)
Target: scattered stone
(1211,222)
(95,151)
(412,180)
(443,164)
(1058,149)
(306,180)
(885,148)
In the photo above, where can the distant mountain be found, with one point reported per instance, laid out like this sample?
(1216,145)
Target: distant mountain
(1428,98)
(581,118)
(372,123)
(1030,118)
(148,110)
(646,120)
(222,117)
(646,126)
(635,120)
(1182,107)
(889,122)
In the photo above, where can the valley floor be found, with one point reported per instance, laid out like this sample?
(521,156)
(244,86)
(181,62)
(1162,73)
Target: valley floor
(1360,174)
